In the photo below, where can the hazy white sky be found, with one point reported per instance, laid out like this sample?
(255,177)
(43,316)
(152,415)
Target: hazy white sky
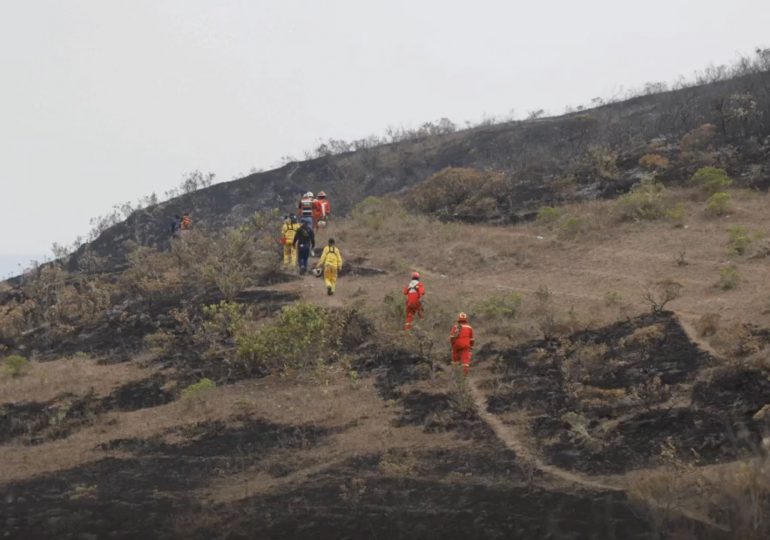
(103,101)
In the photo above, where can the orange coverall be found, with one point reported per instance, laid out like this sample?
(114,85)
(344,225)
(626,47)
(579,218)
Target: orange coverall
(461,337)
(414,292)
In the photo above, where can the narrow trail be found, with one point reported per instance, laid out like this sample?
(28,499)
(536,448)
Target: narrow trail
(616,483)
(507,436)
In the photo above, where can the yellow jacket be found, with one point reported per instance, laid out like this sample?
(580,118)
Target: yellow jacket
(331,256)
(288,231)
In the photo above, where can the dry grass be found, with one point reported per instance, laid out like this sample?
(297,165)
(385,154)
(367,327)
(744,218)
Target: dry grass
(76,375)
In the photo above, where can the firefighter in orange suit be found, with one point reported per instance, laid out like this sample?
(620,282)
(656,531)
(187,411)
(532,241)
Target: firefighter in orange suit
(461,338)
(414,292)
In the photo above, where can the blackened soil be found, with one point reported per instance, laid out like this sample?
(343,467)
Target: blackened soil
(674,358)
(739,389)
(438,413)
(38,422)
(118,334)
(35,422)
(345,503)
(624,422)
(138,497)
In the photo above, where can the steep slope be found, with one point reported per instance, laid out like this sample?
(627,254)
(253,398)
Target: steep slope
(547,161)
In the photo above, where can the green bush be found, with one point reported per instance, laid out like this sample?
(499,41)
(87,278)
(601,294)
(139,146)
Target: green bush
(500,306)
(718,204)
(647,200)
(458,191)
(739,240)
(293,341)
(573,226)
(711,179)
(15,365)
(548,215)
(197,390)
(729,277)
(676,214)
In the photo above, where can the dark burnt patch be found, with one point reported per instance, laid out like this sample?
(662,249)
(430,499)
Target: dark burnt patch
(140,496)
(743,390)
(436,412)
(603,401)
(38,422)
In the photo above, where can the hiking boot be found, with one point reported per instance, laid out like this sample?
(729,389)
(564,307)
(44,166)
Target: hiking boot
(329,291)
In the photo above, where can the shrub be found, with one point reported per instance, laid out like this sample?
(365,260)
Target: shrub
(739,240)
(657,295)
(573,226)
(453,191)
(15,366)
(548,215)
(729,277)
(199,389)
(653,162)
(676,215)
(293,341)
(718,204)
(711,179)
(501,306)
(647,200)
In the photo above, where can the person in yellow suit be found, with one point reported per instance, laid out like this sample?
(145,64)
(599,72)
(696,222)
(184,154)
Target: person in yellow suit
(289,229)
(331,261)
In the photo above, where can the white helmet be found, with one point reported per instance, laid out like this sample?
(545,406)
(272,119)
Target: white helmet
(309,194)
(317,272)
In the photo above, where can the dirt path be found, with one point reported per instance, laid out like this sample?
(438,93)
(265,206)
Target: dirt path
(508,436)
(513,441)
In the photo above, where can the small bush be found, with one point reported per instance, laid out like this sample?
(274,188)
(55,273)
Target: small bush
(15,366)
(459,192)
(718,204)
(657,295)
(739,241)
(729,277)
(676,215)
(647,200)
(501,306)
(653,162)
(198,390)
(711,179)
(293,341)
(573,226)
(548,215)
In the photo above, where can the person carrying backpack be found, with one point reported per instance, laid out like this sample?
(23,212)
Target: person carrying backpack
(288,232)
(322,210)
(175,224)
(305,209)
(304,242)
(331,261)
(461,338)
(185,224)
(414,291)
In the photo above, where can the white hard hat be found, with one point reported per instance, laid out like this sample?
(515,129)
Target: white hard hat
(309,194)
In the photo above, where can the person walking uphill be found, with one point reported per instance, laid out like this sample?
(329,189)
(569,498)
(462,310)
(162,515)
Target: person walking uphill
(461,338)
(288,232)
(414,292)
(331,261)
(304,243)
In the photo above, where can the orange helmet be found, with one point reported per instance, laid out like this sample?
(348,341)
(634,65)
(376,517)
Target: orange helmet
(321,194)
(462,317)
(415,275)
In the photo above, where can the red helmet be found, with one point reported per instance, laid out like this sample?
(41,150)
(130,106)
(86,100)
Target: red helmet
(462,317)
(415,275)
(321,194)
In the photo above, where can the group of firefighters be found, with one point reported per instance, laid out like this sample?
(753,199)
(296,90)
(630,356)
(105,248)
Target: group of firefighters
(298,239)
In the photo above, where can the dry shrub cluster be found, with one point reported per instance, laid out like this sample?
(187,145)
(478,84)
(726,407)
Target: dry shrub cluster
(59,301)
(688,502)
(460,193)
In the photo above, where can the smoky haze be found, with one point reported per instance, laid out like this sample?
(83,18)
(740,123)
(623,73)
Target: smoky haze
(103,102)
